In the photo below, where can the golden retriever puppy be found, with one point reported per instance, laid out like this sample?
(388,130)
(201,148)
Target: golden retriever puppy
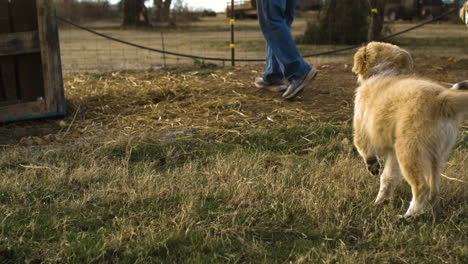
(464,13)
(409,122)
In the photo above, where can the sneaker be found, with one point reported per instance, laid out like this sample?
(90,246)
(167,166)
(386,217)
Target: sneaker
(297,86)
(279,86)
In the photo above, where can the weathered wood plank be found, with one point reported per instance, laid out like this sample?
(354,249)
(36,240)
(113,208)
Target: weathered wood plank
(4,26)
(28,67)
(8,85)
(20,110)
(9,102)
(2,88)
(19,43)
(2,85)
(8,78)
(50,52)
(39,89)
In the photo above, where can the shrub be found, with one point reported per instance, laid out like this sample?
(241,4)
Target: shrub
(77,11)
(339,22)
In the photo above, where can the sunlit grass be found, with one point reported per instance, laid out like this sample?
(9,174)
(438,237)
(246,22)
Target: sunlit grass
(289,194)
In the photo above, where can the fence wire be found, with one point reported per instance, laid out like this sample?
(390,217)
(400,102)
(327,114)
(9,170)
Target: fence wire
(104,46)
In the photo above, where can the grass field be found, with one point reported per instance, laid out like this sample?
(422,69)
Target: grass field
(192,164)
(255,180)
(210,37)
(298,195)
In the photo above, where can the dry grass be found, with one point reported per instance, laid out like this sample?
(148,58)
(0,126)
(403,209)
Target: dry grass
(194,165)
(141,103)
(261,180)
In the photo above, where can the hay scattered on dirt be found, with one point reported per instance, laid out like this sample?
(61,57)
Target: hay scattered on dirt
(140,104)
(150,103)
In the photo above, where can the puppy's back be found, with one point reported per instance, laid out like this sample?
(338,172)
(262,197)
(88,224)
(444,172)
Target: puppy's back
(396,96)
(397,106)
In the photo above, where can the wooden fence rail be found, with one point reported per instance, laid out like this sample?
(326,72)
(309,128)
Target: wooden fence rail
(30,72)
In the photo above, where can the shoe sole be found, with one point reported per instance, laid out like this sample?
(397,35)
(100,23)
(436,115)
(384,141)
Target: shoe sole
(259,86)
(309,78)
(272,88)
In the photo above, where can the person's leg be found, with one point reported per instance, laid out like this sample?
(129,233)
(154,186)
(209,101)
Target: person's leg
(275,17)
(273,76)
(290,12)
(274,71)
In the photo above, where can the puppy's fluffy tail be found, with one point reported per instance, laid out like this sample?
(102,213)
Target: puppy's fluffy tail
(453,102)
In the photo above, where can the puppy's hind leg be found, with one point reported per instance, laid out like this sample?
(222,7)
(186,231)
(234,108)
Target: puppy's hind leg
(389,179)
(367,152)
(373,165)
(434,182)
(414,167)
(440,149)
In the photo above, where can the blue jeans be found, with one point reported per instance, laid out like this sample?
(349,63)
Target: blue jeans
(283,60)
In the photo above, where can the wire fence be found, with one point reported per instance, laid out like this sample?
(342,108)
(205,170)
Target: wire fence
(104,46)
(82,50)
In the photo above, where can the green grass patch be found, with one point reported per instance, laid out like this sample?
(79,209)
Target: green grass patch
(297,194)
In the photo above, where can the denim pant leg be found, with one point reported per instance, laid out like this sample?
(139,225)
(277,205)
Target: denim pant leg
(275,17)
(274,70)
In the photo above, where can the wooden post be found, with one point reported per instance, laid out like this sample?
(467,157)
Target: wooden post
(7,63)
(50,48)
(30,70)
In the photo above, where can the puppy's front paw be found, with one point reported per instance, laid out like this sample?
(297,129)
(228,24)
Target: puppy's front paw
(373,166)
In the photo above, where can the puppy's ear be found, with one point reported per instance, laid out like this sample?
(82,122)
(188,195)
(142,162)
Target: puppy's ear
(405,62)
(360,61)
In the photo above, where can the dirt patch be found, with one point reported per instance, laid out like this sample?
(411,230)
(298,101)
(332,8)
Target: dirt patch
(332,94)
(151,103)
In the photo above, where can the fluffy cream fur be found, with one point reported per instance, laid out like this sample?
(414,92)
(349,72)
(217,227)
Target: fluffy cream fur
(464,13)
(409,122)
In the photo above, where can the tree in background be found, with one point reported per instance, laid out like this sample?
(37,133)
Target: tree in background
(162,10)
(85,10)
(346,22)
(181,13)
(134,11)
(180,4)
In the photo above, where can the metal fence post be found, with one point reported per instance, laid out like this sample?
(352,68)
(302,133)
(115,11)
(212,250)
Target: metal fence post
(232,45)
(164,49)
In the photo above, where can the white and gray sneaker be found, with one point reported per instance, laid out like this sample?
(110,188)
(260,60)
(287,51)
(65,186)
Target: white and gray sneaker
(297,86)
(279,86)
(460,86)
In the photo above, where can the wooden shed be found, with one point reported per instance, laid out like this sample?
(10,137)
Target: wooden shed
(31,83)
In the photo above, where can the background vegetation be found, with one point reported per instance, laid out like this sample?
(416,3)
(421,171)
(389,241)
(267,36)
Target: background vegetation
(346,22)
